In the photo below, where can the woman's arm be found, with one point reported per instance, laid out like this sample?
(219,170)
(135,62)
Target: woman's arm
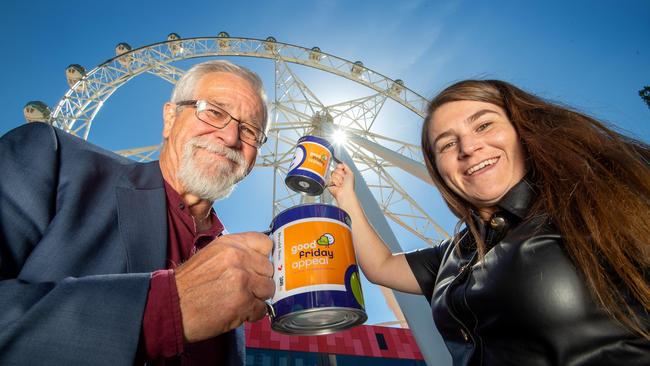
(377,262)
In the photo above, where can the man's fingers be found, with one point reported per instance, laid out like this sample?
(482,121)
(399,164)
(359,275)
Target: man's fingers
(262,287)
(260,265)
(255,241)
(258,311)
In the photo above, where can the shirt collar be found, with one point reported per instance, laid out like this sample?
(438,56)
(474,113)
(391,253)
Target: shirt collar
(177,205)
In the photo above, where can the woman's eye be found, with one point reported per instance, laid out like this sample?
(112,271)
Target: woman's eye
(483,126)
(447,145)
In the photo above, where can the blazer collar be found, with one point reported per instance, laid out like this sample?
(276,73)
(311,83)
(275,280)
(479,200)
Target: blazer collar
(142,217)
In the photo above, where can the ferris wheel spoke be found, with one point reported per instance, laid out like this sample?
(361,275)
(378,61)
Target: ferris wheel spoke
(410,166)
(361,112)
(279,148)
(284,198)
(409,150)
(399,206)
(393,152)
(292,114)
(271,159)
(289,126)
(291,92)
(81,127)
(141,154)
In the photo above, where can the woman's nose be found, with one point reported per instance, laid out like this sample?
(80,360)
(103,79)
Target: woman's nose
(467,146)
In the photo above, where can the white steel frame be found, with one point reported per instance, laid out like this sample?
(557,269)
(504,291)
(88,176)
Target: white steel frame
(295,112)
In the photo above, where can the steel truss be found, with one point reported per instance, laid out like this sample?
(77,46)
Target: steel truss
(296,111)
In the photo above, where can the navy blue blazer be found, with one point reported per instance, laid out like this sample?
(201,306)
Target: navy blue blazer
(81,230)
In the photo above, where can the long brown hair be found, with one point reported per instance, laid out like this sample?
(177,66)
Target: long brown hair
(592,183)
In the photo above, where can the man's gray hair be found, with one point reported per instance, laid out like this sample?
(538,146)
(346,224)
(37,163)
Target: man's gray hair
(184,88)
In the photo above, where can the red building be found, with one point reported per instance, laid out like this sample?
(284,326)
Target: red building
(359,346)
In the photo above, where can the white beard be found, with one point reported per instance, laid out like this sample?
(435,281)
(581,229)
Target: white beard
(210,179)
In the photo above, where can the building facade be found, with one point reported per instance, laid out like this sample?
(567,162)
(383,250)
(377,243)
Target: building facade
(359,346)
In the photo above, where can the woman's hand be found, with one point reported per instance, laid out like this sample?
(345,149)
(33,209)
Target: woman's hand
(375,259)
(341,185)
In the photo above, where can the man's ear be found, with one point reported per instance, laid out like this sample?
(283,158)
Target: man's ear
(169,116)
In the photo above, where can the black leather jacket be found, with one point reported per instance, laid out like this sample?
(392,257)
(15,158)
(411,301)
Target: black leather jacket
(526,304)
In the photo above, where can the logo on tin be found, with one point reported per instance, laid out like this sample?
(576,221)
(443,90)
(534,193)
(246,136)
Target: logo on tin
(325,240)
(298,157)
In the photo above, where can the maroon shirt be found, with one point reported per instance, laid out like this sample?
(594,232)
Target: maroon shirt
(162,326)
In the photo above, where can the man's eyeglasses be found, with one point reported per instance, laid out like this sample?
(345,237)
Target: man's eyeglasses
(217,117)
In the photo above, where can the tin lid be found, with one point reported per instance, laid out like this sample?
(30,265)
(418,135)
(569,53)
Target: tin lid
(310,210)
(318,140)
(319,321)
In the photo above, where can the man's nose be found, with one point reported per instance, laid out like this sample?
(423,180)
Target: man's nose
(229,134)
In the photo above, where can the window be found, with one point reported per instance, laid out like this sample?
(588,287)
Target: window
(381,341)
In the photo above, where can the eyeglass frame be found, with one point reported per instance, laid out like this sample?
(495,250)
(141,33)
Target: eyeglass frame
(201,105)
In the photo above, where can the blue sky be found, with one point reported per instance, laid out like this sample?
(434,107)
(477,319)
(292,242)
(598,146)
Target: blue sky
(592,55)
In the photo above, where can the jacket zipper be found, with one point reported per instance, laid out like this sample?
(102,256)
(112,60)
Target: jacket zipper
(462,272)
(478,342)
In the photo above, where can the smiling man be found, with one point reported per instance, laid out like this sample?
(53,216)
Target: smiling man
(107,261)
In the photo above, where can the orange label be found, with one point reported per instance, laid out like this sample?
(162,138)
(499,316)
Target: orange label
(317,253)
(317,158)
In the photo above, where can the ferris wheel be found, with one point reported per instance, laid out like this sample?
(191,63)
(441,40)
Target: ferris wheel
(296,110)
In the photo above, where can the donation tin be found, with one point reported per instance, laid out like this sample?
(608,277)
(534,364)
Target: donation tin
(309,166)
(318,288)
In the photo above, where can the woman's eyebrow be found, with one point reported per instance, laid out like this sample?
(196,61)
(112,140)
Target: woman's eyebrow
(478,115)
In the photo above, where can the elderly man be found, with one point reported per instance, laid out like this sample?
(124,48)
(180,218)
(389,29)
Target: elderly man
(106,261)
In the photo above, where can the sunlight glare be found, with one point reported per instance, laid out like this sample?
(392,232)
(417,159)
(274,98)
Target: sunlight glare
(339,136)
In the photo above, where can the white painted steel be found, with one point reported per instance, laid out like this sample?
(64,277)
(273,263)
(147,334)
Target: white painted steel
(295,111)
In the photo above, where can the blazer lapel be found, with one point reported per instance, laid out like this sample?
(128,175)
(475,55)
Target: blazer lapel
(142,217)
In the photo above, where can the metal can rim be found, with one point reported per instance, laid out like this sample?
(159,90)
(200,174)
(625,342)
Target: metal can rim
(305,205)
(362,316)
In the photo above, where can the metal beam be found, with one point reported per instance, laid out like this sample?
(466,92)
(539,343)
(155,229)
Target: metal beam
(410,166)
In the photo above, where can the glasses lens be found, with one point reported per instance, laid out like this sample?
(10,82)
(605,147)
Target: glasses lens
(219,118)
(214,116)
(248,131)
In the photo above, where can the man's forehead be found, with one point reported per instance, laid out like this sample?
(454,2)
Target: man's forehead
(228,90)
(227,84)
(226,80)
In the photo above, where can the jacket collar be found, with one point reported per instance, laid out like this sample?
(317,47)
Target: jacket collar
(518,199)
(143,176)
(142,217)
(513,208)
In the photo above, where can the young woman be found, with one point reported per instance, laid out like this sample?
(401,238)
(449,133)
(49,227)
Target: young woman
(550,259)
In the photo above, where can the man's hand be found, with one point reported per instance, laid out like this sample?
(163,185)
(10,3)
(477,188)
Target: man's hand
(225,284)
